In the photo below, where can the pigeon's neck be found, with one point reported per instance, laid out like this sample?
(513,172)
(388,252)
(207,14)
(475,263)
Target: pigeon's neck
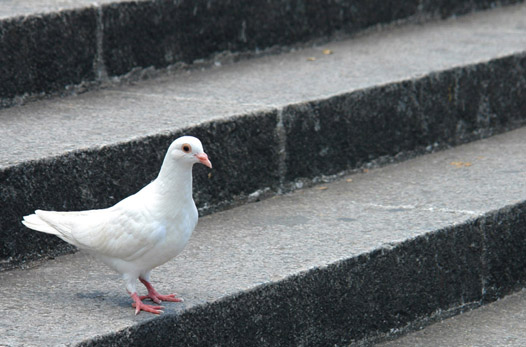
(175,180)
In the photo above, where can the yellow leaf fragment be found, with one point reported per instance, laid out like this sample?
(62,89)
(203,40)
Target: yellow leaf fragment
(459,164)
(327,51)
(349,180)
(322,188)
(311,59)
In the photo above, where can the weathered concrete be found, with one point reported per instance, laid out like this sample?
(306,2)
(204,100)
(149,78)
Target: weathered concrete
(16,8)
(414,54)
(53,46)
(46,53)
(502,323)
(332,264)
(260,119)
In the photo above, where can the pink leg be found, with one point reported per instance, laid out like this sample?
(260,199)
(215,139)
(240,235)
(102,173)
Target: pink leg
(156,297)
(139,305)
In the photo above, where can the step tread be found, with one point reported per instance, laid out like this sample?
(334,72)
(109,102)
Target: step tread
(12,8)
(501,323)
(184,98)
(267,241)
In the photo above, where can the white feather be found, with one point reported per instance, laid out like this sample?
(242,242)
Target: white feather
(142,231)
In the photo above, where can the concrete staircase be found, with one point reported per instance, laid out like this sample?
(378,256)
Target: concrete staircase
(501,323)
(308,237)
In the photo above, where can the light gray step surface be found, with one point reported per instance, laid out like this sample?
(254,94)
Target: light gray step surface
(15,8)
(377,98)
(501,323)
(50,47)
(160,105)
(352,261)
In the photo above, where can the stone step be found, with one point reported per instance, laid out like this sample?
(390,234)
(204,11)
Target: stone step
(270,124)
(502,323)
(353,261)
(63,46)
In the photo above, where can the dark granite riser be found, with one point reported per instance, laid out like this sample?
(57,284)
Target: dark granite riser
(271,151)
(77,49)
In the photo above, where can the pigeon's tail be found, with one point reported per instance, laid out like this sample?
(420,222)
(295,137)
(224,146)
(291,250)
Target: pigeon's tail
(52,222)
(36,223)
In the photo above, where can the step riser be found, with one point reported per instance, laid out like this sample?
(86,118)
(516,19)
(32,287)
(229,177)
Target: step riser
(443,109)
(47,53)
(322,137)
(360,299)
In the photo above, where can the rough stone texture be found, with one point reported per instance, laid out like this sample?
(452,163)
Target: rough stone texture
(49,49)
(348,261)
(161,33)
(245,151)
(46,53)
(147,33)
(445,108)
(502,323)
(100,178)
(15,8)
(52,127)
(333,305)
(187,98)
(506,245)
(259,123)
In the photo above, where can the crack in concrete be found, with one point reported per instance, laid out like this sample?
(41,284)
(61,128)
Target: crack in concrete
(98,65)
(420,208)
(281,133)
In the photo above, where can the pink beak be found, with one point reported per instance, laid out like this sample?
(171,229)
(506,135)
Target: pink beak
(203,158)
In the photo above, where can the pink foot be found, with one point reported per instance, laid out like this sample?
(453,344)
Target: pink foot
(156,297)
(140,306)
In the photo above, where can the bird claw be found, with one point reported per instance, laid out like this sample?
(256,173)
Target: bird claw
(140,306)
(169,297)
(158,298)
(147,308)
(154,299)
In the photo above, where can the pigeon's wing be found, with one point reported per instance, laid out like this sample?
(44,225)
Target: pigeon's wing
(115,232)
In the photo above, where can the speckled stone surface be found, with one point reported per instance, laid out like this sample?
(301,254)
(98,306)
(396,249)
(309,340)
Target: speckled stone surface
(336,263)
(114,172)
(269,124)
(446,108)
(49,46)
(502,323)
(15,8)
(156,34)
(46,53)
(188,98)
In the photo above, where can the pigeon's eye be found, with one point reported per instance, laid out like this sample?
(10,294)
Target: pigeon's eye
(187,148)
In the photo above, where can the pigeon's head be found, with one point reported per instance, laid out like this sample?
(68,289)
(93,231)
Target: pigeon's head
(188,149)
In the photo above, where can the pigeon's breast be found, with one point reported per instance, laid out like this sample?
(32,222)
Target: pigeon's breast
(174,232)
(181,226)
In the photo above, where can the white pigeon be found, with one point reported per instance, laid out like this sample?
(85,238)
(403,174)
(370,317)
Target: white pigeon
(142,231)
